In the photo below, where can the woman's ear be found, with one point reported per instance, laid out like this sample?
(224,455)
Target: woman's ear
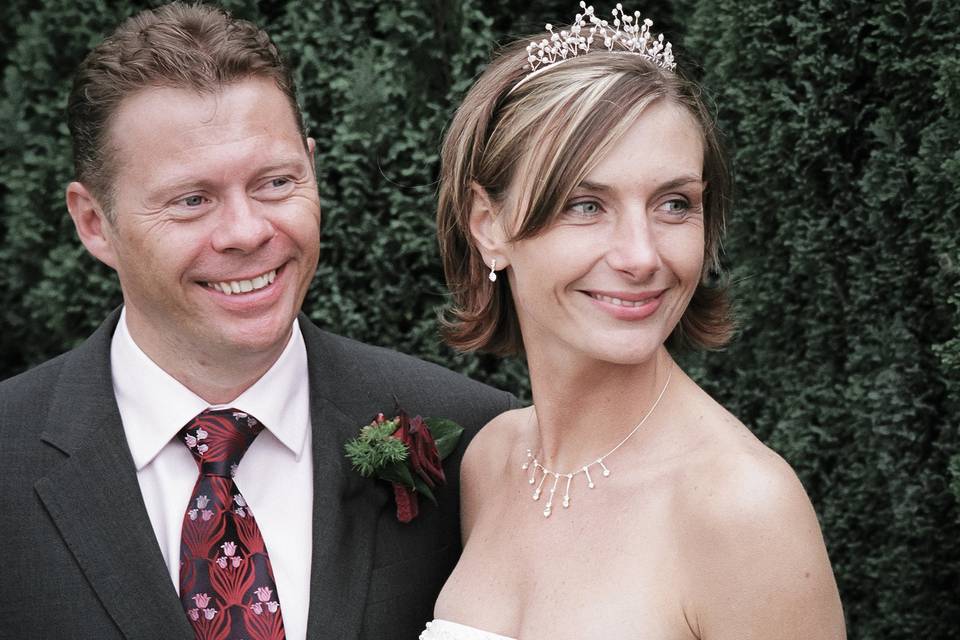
(486,227)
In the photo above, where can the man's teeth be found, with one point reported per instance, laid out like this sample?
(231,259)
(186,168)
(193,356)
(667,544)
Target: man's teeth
(619,302)
(244,286)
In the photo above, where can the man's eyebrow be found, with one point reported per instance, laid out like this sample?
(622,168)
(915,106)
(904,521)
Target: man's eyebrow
(292,162)
(296,163)
(163,189)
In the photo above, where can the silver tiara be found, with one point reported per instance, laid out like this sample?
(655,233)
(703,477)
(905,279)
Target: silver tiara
(626,33)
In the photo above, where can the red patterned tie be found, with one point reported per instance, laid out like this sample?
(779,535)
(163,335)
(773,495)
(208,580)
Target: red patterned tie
(226,583)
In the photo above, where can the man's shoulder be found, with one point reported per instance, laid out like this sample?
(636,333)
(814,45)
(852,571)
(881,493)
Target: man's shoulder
(406,377)
(24,406)
(75,372)
(34,383)
(393,365)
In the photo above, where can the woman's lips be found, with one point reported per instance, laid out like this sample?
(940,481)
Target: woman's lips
(627,305)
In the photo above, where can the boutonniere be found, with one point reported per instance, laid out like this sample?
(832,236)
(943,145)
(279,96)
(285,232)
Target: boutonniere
(406,452)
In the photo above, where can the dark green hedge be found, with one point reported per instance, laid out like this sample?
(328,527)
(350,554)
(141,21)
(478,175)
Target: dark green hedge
(843,248)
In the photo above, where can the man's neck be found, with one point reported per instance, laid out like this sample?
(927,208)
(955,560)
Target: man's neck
(216,385)
(217,376)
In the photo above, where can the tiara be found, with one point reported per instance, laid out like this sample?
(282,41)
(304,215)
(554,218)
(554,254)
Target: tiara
(626,33)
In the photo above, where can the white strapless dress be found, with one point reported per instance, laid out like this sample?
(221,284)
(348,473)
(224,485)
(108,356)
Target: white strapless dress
(446,630)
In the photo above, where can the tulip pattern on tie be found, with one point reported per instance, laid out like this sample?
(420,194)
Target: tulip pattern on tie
(226,582)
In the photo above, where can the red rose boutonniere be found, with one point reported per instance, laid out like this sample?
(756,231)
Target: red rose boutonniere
(406,452)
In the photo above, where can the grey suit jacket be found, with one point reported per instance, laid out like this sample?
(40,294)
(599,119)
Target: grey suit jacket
(80,559)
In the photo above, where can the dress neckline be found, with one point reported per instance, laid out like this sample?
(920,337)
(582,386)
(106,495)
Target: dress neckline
(440,629)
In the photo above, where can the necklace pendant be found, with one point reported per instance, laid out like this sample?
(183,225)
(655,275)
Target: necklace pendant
(533,463)
(536,492)
(566,494)
(606,472)
(547,510)
(590,484)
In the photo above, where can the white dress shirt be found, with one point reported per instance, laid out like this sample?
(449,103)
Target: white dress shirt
(275,476)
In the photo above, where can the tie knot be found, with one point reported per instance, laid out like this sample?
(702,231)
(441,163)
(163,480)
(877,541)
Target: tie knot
(218,438)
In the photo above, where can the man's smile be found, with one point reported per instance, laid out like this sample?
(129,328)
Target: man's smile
(231,287)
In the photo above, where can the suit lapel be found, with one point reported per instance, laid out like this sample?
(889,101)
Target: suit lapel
(95,502)
(346,506)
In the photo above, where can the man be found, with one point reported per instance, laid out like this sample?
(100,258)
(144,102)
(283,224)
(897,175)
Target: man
(195,183)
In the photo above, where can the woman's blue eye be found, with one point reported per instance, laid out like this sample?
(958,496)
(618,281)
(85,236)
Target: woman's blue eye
(677,206)
(587,208)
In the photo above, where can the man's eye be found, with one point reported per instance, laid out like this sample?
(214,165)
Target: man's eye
(193,201)
(279,182)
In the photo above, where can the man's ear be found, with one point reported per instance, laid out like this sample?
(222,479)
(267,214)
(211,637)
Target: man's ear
(312,152)
(95,231)
(486,227)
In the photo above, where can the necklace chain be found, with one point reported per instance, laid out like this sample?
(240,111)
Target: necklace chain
(544,472)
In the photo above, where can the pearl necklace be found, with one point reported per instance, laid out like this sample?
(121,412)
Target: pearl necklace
(532,461)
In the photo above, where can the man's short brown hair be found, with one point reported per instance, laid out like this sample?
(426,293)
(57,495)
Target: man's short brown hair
(197,47)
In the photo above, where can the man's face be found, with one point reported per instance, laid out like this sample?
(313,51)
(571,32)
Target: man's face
(216,225)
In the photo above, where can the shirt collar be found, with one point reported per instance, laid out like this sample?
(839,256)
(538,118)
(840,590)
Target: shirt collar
(154,406)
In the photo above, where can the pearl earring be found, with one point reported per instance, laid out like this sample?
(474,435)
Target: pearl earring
(493,270)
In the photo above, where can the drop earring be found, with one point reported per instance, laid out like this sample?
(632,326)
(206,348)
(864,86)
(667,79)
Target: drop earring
(493,270)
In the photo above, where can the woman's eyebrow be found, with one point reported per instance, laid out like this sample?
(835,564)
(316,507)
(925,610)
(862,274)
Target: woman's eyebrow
(680,182)
(590,185)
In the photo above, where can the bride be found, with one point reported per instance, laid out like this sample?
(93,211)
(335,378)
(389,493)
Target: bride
(582,200)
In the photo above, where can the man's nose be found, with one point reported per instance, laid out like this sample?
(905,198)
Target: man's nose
(244,225)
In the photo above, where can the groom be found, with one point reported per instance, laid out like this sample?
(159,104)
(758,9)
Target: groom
(195,183)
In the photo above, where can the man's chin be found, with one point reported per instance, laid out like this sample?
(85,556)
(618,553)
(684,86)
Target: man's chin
(259,339)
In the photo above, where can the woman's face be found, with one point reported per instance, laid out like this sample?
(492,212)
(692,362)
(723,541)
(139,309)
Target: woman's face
(613,274)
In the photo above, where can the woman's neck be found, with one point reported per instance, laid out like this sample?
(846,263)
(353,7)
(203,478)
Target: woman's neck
(585,407)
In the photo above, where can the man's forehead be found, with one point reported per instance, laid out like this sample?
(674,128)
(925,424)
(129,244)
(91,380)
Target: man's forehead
(165,134)
(255,103)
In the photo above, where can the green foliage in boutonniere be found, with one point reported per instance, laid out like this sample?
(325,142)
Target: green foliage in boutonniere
(406,452)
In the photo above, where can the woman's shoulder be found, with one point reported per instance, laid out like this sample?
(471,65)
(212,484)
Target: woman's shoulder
(731,476)
(498,441)
(746,483)
(748,531)
(492,452)
(727,477)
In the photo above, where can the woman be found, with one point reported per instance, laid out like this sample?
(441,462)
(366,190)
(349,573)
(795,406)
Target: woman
(581,208)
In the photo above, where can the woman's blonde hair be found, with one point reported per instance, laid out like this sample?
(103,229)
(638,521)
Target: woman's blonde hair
(549,133)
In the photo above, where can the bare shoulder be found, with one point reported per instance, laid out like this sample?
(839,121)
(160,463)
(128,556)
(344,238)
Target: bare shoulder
(495,448)
(729,477)
(737,480)
(756,562)
(495,441)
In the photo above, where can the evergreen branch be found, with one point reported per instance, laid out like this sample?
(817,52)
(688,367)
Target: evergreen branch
(374,449)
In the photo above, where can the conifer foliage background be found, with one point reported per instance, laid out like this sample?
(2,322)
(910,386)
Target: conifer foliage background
(843,119)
